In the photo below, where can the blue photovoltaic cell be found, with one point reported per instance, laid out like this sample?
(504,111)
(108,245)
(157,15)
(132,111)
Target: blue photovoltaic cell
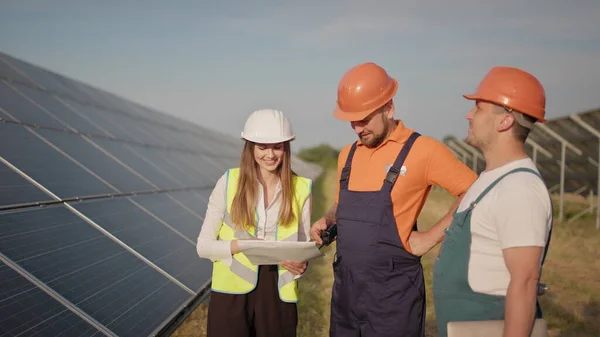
(149,237)
(23,110)
(26,310)
(196,200)
(46,165)
(65,114)
(89,269)
(41,77)
(189,164)
(75,90)
(113,124)
(15,189)
(173,212)
(9,73)
(177,171)
(166,136)
(131,155)
(96,161)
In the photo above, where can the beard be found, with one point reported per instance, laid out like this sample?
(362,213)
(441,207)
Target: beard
(376,138)
(477,142)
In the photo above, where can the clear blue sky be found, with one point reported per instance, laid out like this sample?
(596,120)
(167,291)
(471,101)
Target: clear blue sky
(213,62)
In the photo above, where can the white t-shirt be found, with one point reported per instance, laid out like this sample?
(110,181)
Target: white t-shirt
(516,212)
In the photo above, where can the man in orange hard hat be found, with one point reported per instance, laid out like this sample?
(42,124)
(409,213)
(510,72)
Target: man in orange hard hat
(384,179)
(490,262)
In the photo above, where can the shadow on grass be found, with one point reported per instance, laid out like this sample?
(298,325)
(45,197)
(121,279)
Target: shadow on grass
(565,323)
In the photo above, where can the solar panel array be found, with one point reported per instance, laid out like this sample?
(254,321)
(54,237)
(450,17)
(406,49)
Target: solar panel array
(581,156)
(101,203)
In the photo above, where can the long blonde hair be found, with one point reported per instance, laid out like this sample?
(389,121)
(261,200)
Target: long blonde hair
(244,203)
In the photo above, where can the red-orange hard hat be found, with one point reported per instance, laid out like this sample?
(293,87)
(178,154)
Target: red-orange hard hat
(362,90)
(512,88)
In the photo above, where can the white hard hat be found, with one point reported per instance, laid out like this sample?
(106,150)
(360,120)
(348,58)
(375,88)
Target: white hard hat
(268,126)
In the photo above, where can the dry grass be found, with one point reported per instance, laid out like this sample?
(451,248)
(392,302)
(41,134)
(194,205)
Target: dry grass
(572,271)
(315,288)
(195,324)
(436,206)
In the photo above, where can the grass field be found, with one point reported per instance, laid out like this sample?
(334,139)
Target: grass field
(572,271)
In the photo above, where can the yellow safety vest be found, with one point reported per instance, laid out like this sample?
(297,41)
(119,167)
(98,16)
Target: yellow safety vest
(242,276)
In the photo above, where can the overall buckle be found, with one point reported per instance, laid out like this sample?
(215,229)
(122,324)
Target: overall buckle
(541,289)
(392,175)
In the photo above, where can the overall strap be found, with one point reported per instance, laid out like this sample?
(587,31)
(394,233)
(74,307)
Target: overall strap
(489,188)
(394,171)
(345,176)
(540,291)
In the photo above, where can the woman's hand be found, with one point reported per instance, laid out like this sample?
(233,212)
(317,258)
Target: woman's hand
(235,247)
(294,267)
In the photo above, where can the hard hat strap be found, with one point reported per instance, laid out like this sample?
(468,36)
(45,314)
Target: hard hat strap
(519,118)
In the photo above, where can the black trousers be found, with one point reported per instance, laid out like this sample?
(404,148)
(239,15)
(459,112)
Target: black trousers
(260,313)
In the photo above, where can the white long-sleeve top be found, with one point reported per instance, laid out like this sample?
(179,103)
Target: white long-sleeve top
(210,247)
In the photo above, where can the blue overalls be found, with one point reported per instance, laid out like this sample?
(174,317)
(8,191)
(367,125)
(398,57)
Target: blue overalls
(379,288)
(451,289)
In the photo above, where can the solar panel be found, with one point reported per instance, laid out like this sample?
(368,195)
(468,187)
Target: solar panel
(22,108)
(15,189)
(102,201)
(10,74)
(39,159)
(26,309)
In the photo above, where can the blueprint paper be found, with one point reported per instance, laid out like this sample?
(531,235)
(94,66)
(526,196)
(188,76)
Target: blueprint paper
(261,252)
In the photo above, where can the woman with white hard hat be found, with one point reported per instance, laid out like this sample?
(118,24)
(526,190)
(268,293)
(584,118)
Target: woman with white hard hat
(263,199)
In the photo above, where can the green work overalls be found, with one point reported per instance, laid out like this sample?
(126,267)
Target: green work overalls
(454,299)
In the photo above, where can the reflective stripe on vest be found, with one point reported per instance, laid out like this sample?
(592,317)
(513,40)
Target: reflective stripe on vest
(242,276)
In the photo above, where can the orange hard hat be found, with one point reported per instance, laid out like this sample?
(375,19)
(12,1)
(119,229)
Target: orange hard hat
(512,88)
(362,90)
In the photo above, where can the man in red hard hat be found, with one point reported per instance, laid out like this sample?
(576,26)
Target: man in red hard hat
(384,179)
(490,261)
